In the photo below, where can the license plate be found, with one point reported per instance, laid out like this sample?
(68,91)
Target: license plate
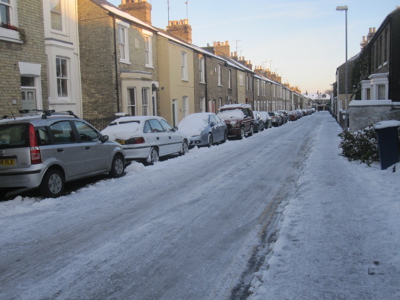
(7,162)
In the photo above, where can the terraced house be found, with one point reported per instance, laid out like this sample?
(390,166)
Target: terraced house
(100,61)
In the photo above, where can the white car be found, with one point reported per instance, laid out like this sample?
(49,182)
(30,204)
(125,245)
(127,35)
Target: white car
(147,138)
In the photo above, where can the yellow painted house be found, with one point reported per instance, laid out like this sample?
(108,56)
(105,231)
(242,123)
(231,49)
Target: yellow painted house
(176,89)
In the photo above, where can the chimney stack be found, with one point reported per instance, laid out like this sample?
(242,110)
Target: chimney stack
(222,48)
(140,9)
(181,29)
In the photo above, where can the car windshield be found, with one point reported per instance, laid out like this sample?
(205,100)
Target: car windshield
(123,130)
(14,136)
(193,124)
(231,114)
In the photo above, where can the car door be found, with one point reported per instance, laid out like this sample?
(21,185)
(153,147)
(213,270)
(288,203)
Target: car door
(216,129)
(158,136)
(174,136)
(96,154)
(66,148)
(248,119)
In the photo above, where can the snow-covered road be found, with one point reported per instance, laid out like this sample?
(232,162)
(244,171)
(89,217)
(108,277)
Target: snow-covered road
(190,227)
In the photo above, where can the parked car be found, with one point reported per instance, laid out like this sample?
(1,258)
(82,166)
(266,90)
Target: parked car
(276,119)
(47,150)
(259,124)
(204,129)
(284,116)
(267,119)
(239,119)
(147,138)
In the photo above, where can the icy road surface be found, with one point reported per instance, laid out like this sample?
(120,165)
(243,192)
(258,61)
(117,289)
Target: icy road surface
(186,228)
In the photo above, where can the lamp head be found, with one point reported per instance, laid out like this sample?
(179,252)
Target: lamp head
(342,8)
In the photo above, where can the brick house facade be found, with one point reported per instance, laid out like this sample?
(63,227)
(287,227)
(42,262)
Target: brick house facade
(23,73)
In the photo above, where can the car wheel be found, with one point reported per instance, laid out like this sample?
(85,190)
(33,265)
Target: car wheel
(251,132)
(117,166)
(210,140)
(185,148)
(153,157)
(52,185)
(242,133)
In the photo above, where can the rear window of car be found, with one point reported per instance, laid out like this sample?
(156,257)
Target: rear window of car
(14,136)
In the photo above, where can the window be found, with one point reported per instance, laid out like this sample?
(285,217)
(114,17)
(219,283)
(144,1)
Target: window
(145,101)
(148,54)
(56,15)
(184,66)
(241,80)
(258,87)
(132,101)
(381,92)
(123,42)
(185,106)
(5,7)
(86,133)
(62,77)
(166,125)
(219,73)
(202,70)
(202,104)
(155,126)
(62,133)
(229,79)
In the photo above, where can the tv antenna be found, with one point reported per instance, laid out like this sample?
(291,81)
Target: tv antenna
(187,9)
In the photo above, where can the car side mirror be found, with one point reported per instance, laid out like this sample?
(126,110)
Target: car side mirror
(104,138)
(212,124)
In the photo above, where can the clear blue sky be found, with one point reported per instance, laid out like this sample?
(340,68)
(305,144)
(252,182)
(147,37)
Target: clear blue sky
(303,41)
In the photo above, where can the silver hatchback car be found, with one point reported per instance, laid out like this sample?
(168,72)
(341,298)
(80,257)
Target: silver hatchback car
(46,150)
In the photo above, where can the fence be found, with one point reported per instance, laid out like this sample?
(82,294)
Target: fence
(99,123)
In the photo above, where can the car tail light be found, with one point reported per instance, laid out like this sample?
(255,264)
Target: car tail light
(136,140)
(36,157)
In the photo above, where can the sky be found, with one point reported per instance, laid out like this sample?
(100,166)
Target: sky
(302,41)
(154,234)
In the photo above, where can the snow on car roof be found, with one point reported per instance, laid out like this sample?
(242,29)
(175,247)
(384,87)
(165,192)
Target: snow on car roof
(194,124)
(231,114)
(123,129)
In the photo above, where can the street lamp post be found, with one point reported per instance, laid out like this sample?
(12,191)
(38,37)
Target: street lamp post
(345,9)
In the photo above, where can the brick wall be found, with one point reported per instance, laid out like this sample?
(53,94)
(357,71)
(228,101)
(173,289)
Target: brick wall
(32,50)
(99,94)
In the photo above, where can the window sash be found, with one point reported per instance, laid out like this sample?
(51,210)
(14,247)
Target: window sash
(184,65)
(201,69)
(56,15)
(122,42)
(62,77)
(5,12)
(219,75)
(147,50)
(132,101)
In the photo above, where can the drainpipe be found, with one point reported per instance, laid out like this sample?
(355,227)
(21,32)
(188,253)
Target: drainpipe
(205,79)
(116,63)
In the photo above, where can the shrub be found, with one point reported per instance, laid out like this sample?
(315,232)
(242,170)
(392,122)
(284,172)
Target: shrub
(361,145)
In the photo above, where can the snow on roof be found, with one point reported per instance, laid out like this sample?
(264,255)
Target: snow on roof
(370,102)
(116,11)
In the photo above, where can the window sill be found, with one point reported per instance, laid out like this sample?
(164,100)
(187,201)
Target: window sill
(122,61)
(10,35)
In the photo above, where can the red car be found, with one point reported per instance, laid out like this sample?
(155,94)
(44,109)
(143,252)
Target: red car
(239,119)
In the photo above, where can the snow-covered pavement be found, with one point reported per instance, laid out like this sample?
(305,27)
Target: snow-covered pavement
(340,233)
(198,226)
